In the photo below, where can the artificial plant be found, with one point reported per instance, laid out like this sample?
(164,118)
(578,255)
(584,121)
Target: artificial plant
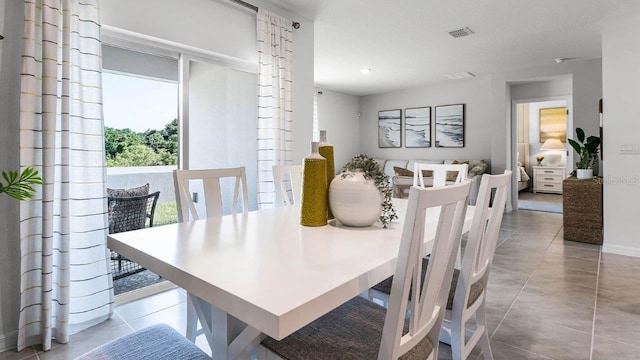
(585,149)
(372,171)
(19,184)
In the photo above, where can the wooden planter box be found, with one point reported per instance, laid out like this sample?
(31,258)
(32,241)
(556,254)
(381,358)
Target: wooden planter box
(582,210)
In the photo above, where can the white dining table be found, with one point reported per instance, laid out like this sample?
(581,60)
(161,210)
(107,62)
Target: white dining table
(263,273)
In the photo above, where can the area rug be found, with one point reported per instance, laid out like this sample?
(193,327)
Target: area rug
(540,202)
(135,281)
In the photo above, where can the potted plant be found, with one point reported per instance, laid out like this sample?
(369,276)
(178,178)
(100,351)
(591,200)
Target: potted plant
(19,185)
(362,194)
(587,151)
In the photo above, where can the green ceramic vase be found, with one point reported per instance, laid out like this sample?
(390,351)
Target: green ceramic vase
(313,204)
(326,151)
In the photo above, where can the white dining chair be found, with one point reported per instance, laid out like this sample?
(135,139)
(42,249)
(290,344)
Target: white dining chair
(288,184)
(439,177)
(469,293)
(360,329)
(439,172)
(210,181)
(469,283)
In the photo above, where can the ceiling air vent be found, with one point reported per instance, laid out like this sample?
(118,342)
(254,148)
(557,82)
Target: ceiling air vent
(460,75)
(464,31)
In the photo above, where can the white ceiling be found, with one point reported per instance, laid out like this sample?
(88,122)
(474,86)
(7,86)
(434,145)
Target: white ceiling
(406,42)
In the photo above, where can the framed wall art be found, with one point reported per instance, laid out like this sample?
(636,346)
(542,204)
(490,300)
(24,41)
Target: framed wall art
(449,123)
(417,127)
(390,128)
(553,124)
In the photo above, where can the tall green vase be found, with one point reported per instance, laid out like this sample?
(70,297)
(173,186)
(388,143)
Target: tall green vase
(313,204)
(326,151)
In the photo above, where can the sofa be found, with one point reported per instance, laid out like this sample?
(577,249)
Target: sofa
(402,180)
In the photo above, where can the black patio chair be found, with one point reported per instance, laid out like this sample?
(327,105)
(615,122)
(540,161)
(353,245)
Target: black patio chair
(127,214)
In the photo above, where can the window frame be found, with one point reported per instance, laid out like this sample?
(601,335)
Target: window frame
(184,54)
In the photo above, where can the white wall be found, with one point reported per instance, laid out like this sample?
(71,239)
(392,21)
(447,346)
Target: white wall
(218,26)
(621,90)
(338,114)
(539,89)
(474,93)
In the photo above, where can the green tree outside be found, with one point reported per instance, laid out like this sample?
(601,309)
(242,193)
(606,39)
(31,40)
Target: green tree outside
(124,148)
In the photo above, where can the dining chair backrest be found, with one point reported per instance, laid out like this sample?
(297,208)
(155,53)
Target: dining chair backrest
(210,180)
(439,173)
(288,183)
(427,310)
(476,264)
(485,226)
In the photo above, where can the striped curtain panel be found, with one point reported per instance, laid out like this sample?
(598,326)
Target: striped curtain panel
(65,282)
(275,104)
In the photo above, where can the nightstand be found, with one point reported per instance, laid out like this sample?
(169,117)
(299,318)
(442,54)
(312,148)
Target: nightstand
(548,179)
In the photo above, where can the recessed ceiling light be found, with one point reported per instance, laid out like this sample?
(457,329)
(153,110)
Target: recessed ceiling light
(365,70)
(460,75)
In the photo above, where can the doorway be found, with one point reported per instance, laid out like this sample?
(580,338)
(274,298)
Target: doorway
(542,160)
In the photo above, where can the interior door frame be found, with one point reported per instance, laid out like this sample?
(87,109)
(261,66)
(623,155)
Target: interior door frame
(511,165)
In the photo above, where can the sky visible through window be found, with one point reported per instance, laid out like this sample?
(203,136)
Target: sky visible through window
(138,103)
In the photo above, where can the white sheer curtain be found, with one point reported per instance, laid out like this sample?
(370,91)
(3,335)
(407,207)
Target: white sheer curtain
(65,280)
(275,104)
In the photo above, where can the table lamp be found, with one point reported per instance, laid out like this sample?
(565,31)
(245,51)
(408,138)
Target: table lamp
(553,156)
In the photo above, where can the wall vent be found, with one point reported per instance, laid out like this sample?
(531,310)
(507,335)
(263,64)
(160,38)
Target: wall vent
(462,32)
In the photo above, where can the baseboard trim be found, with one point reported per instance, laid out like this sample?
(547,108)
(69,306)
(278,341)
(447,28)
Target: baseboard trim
(8,341)
(621,250)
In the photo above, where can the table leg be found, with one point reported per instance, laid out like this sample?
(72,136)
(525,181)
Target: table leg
(228,337)
(192,320)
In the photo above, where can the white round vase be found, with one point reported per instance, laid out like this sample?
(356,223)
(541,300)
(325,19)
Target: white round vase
(354,200)
(584,174)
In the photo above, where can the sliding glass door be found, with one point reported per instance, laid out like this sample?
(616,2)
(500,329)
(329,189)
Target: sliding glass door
(222,123)
(165,110)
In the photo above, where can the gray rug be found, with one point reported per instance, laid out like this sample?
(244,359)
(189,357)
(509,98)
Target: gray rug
(135,281)
(540,202)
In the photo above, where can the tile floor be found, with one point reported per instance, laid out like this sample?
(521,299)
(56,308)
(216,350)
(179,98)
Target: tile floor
(547,299)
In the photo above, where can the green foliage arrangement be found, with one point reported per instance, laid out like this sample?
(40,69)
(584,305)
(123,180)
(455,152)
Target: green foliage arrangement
(123,147)
(585,149)
(372,171)
(19,185)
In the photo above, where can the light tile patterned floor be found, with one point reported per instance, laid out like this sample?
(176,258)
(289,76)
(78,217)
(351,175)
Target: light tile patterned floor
(547,299)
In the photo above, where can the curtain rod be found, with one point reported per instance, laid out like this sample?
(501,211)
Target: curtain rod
(295,24)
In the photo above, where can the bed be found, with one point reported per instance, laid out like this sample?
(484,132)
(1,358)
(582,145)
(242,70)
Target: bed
(523,177)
